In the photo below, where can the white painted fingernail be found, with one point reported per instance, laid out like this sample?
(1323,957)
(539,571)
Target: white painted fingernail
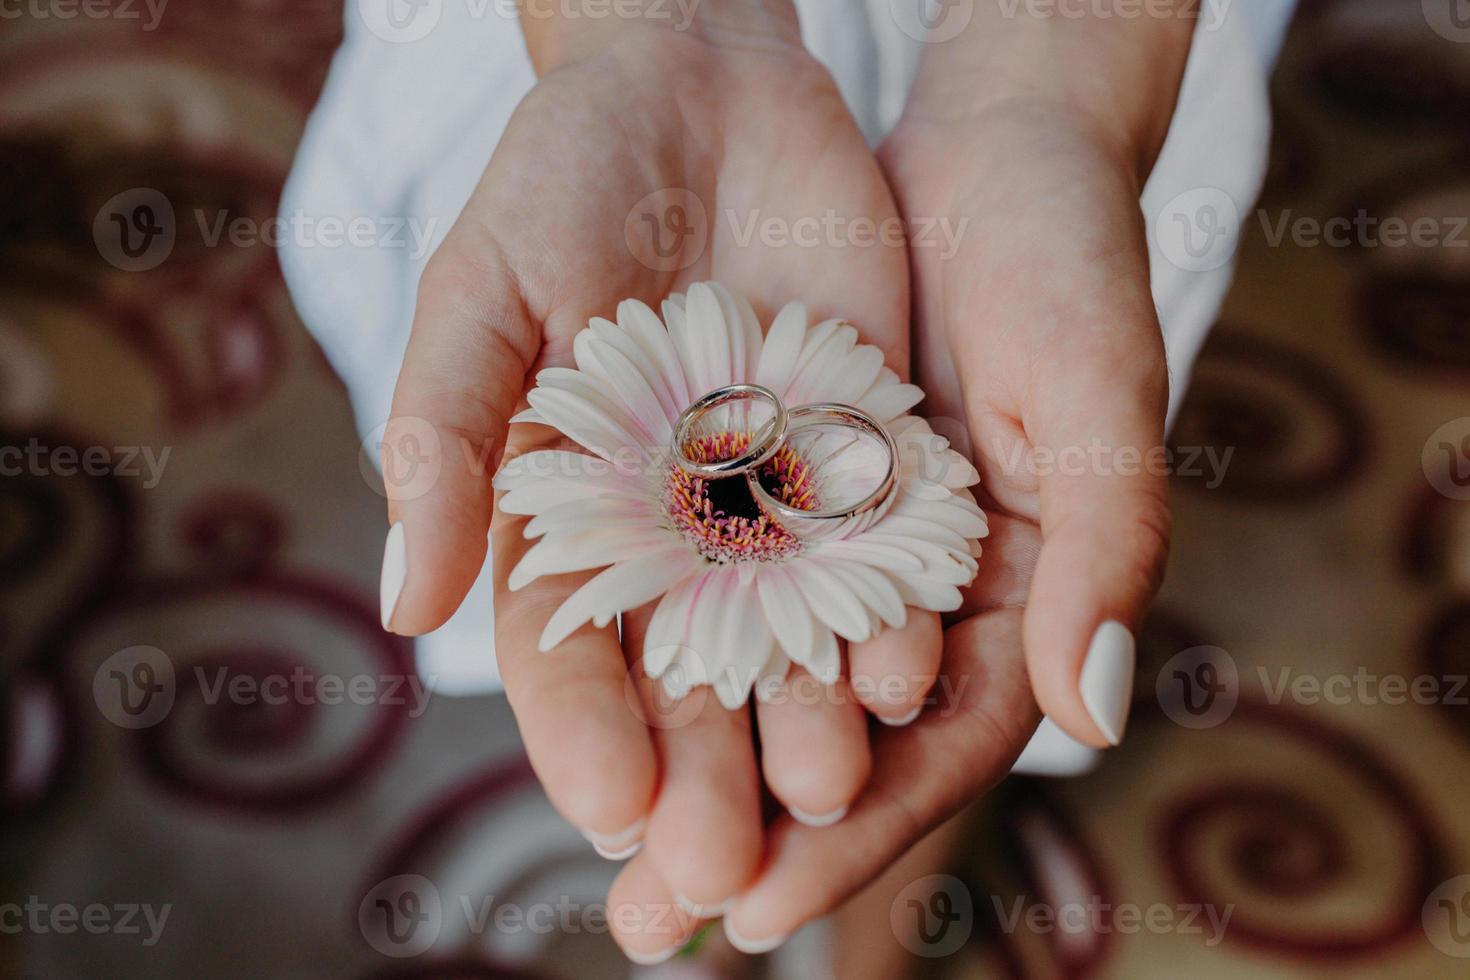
(395,571)
(752,947)
(622,855)
(703,911)
(820,820)
(1107,679)
(619,846)
(902,720)
(651,959)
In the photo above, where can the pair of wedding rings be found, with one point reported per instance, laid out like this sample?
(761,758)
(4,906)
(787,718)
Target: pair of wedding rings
(768,439)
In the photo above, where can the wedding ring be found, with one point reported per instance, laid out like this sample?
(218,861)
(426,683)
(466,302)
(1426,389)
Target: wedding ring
(849,519)
(764,443)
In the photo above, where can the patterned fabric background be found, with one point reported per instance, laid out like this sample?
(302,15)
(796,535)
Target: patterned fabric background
(184,506)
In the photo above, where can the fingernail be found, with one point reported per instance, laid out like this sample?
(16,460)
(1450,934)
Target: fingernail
(703,911)
(1107,679)
(820,820)
(651,959)
(901,720)
(395,571)
(622,855)
(752,947)
(619,846)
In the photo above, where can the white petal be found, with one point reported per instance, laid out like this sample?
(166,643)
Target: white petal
(643,326)
(786,613)
(527,415)
(781,348)
(854,374)
(826,660)
(930,595)
(557,554)
(831,600)
(702,338)
(875,589)
(576,517)
(954,517)
(668,627)
(623,377)
(745,333)
(591,425)
(624,586)
(821,364)
(530,469)
(869,552)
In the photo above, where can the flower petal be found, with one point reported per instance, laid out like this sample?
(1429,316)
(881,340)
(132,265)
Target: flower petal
(786,613)
(831,600)
(781,348)
(626,585)
(556,554)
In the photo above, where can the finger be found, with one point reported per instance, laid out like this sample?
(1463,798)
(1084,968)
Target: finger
(645,921)
(893,672)
(814,747)
(704,834)
(463,372)
(922,775)
(588,746)
(1104,522)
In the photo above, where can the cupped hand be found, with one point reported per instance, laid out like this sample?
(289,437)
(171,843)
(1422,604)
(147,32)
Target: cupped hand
(1038,338)
(658,162)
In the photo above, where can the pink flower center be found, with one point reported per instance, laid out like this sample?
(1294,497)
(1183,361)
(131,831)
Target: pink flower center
(722,519)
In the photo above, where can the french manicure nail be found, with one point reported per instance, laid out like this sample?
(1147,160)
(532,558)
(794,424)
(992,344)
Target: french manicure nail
(1107,679)
(622,855)
(703,911)
(619,846)
(395,572)
(901,720)
(817,820)
(651,959)
(751,947)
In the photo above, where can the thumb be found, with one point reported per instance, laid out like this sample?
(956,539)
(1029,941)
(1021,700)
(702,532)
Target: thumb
(472,344)
(1097,426)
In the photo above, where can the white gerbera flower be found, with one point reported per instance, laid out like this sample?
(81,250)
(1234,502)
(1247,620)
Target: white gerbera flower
(742,596)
